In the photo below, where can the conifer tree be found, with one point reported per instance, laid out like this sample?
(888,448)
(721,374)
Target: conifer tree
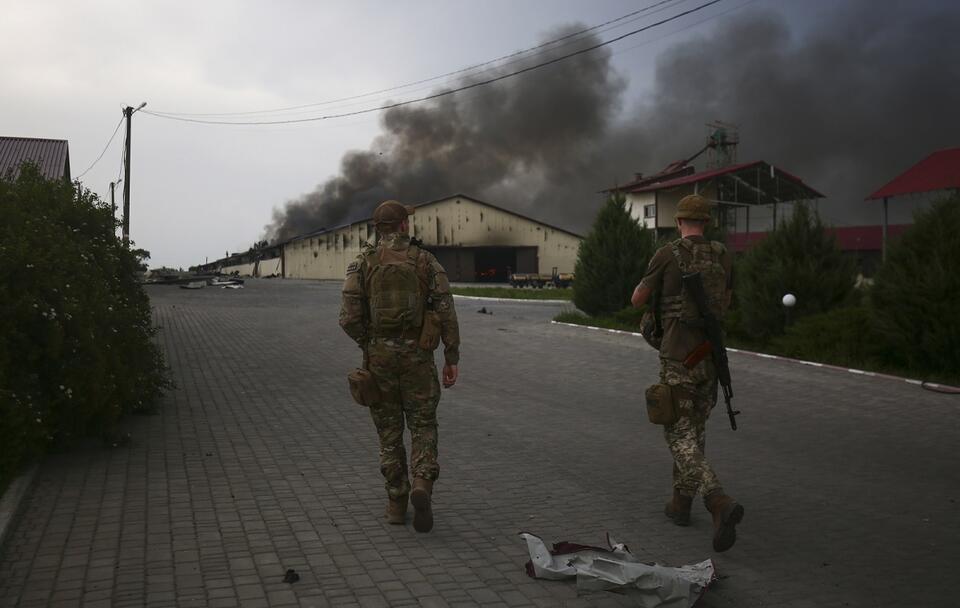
(611,260)
(916,292)
(801,258)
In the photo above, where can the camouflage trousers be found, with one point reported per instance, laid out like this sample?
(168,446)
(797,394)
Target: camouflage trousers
(687,437)
(407,378)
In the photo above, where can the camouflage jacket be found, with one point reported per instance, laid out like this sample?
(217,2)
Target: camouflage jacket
(354,317)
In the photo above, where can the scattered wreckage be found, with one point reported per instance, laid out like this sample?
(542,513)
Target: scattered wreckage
(213,282)
(193,281)
(616,569)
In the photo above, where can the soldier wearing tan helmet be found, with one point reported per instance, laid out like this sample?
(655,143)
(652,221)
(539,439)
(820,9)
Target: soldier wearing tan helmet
(685,369)
(397,306)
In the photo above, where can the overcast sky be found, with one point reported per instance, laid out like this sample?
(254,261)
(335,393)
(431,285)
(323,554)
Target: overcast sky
(200,190)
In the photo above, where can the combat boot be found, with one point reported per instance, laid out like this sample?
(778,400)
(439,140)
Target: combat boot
(421,497)
(397,510)
(727,513)
(678,509)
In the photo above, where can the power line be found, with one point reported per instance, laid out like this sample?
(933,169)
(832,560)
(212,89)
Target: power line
(687,26)
(449,91)
(109,141)
(540,47)
(489,70)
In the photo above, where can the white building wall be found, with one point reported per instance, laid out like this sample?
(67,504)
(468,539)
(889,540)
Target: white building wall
(243,270)
(453,222)
(642,206)
(267,268)
(271,267)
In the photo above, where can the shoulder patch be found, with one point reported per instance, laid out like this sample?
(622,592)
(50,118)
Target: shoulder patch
(353,266)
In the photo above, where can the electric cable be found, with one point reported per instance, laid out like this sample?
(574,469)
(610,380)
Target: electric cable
(449,91)
(504,58)
(685,27)
(358,100)
(109,141)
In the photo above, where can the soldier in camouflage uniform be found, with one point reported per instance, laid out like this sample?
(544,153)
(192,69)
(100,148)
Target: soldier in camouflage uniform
(397,306)
(695,388)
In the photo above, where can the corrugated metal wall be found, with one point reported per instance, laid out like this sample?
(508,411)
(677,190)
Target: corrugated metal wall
(457,222)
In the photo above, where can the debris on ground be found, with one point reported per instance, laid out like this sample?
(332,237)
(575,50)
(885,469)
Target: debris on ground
(484,311)
(291,576)
(218,282)
(616,569)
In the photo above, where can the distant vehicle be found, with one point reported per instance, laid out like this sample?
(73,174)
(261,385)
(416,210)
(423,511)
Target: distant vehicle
(538,281)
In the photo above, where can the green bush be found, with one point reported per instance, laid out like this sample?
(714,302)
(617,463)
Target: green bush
(846,336)
(801,258)
(611,260)
(76,347)
(916,292)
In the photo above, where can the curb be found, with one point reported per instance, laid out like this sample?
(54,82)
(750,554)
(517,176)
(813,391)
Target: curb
(859,372)
(512,300)
(12,500)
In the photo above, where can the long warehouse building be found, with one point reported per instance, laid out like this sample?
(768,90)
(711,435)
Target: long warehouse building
(474,240)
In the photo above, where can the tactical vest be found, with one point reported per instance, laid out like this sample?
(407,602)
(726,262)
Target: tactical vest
(396,291)
(703,258)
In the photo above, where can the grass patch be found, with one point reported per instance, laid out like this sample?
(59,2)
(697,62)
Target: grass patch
(627,319)
(516,293)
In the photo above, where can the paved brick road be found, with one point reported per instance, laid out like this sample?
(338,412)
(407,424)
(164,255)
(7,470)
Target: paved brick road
(260,462)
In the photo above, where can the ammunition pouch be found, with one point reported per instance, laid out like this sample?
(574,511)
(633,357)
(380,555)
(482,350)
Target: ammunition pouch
(662,404)
(364,387)
(430,331)
(651,330)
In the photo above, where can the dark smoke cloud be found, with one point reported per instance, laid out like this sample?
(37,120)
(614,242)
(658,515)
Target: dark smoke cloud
(512,140)
(856,98)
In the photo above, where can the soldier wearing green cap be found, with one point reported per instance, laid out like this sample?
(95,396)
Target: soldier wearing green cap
(397,306)
(684,368)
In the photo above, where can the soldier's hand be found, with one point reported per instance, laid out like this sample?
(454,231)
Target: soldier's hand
(450,373)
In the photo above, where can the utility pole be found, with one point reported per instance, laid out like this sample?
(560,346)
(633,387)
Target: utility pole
(128,112)
(113,206)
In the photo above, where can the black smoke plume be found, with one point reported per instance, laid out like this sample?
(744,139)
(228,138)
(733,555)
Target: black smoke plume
(510,140)
(845,102)
(863,93)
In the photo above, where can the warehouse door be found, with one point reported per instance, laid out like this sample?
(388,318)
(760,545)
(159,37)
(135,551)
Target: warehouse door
(485,264)
(495,264)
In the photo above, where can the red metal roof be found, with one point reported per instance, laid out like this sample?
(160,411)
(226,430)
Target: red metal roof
(707,175)
(939,171)
(849,238)
(51,155)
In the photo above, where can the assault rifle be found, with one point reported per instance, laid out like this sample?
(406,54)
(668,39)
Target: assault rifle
(711,327)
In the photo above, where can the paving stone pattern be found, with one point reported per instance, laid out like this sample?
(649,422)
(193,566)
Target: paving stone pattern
(259,462)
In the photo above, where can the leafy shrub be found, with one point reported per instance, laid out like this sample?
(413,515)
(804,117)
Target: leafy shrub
(76,347)
(611,260)
(916,292)
(801,258)
(846,336)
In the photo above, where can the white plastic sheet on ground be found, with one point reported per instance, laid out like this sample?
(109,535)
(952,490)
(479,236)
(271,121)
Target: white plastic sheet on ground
(616,569)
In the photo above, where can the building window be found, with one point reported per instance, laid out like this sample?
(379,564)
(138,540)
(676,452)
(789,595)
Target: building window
(649,211)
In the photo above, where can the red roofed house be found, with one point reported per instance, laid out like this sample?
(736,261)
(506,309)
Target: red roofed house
(52,156)
(937,173)
(747,195)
